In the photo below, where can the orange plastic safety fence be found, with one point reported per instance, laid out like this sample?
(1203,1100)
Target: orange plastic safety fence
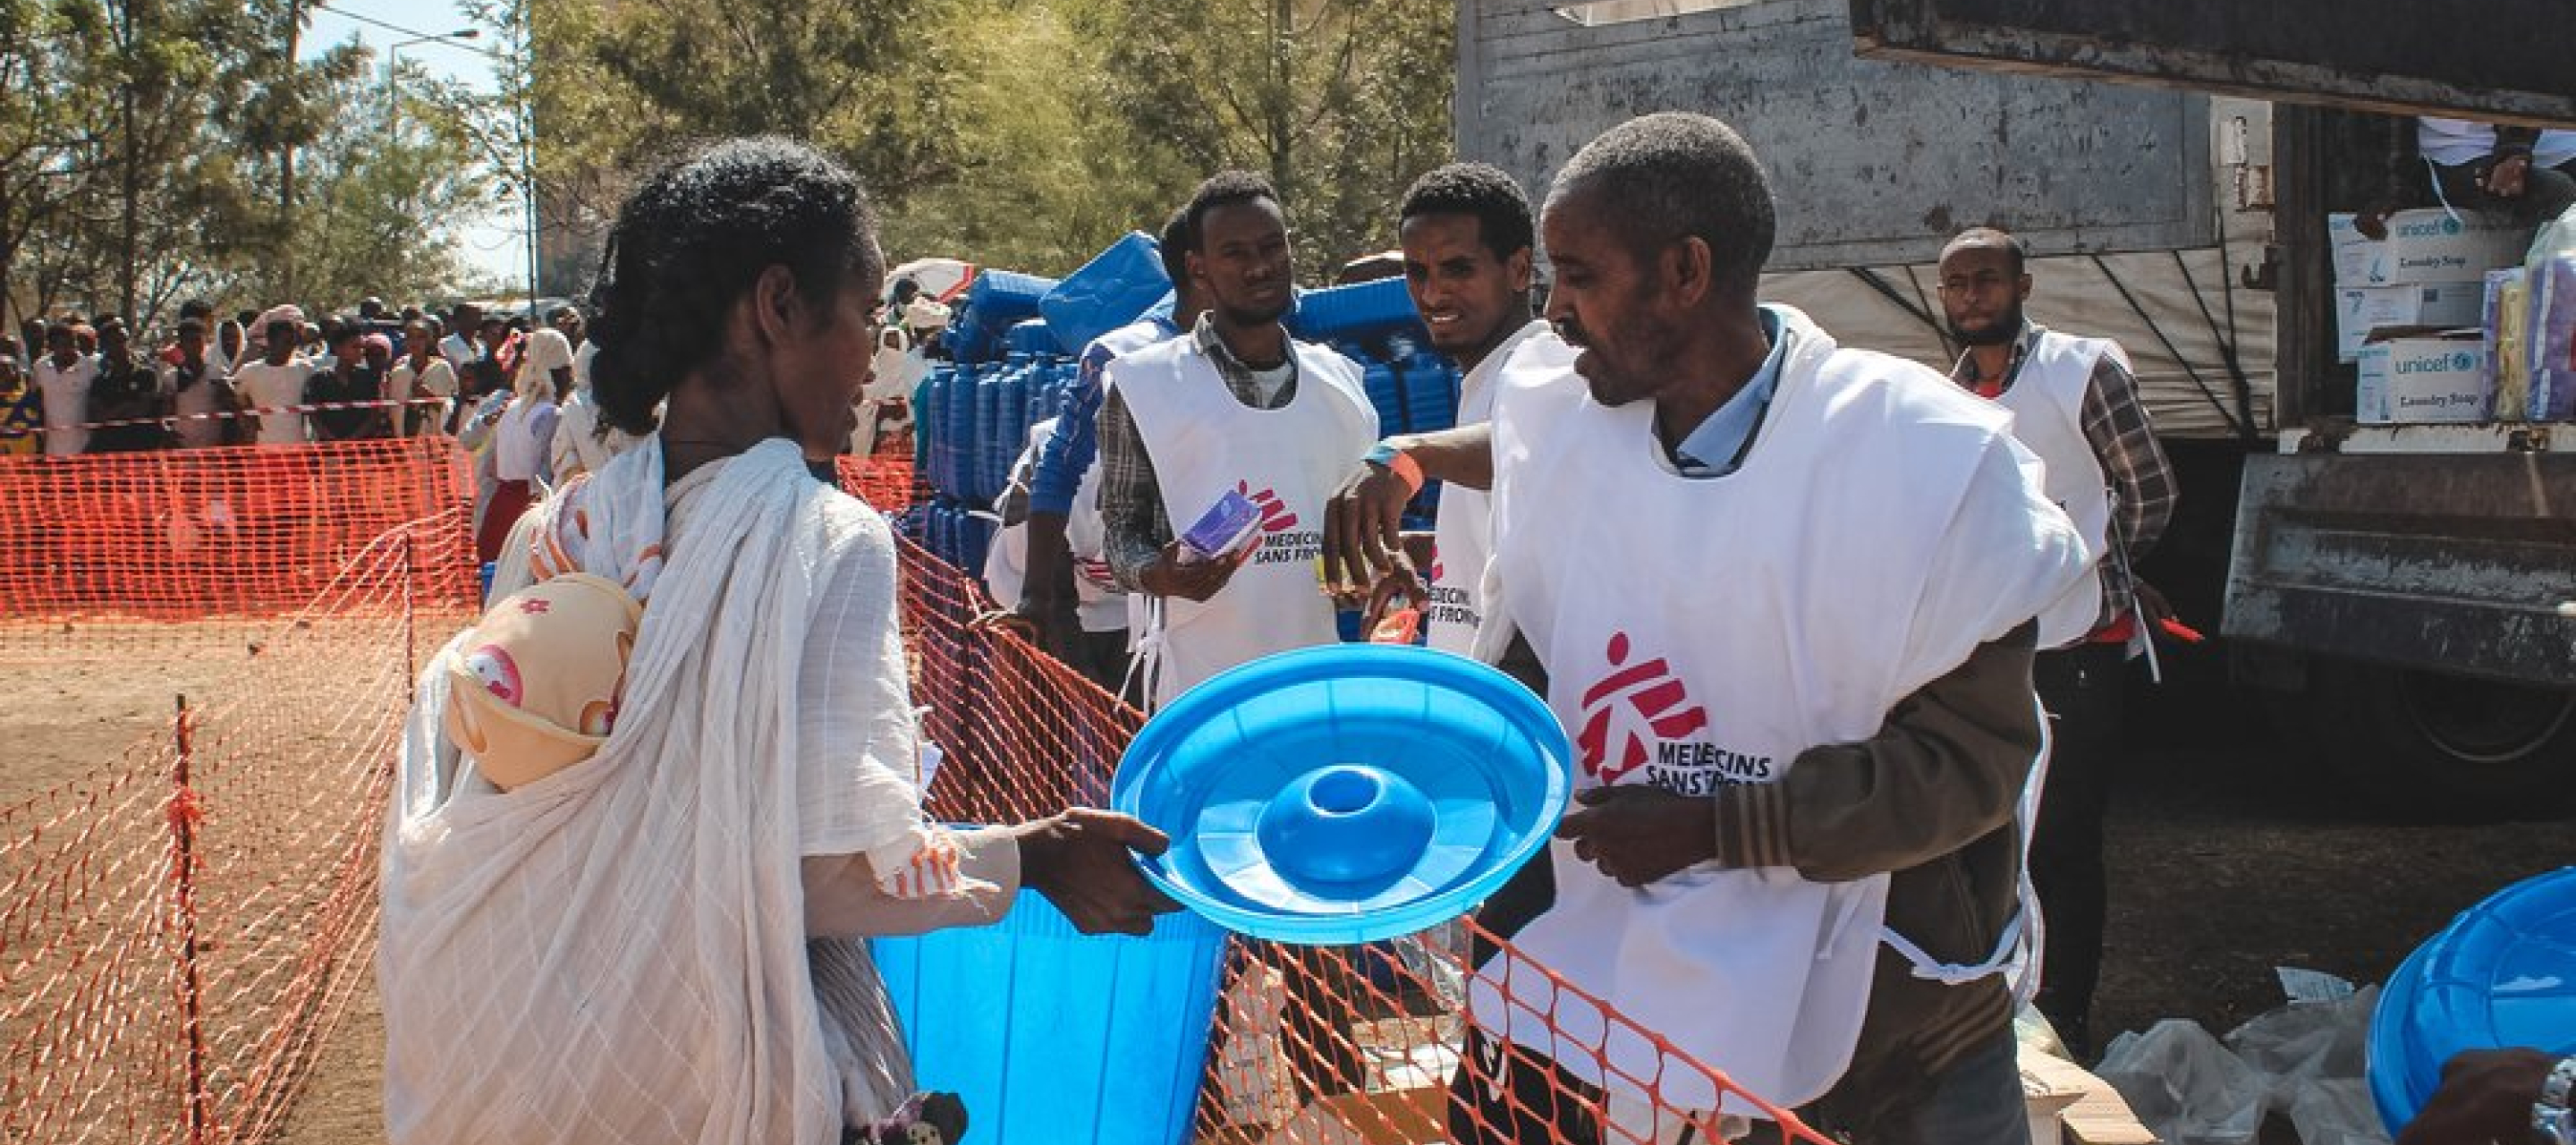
(231,532)
(884,479)
(183,925)
(1341,1044)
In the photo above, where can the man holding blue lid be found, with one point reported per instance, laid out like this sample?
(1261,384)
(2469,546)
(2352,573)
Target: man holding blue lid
(1780,593)
(1235,412)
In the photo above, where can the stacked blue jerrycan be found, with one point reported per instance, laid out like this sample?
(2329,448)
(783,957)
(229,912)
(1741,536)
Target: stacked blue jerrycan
(1113,289)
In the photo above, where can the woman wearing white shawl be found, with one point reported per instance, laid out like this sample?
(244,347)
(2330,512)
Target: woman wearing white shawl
(660,942)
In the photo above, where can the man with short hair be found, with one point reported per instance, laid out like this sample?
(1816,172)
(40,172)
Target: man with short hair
(1467,240)
(125,401)
(2074,403)
(1792,849)
(1063,484)
(203,312)
(201,395)
(274,385)
(350,386)
(63,378)
(459,347)
(1237,408)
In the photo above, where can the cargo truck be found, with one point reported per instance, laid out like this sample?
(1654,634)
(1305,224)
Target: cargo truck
(2400,598)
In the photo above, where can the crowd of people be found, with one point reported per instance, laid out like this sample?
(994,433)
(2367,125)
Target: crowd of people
(71,385)
(1808,612)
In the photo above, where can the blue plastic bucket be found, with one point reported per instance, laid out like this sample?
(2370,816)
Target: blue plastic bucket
(2502,974)
(1051,1036)
(1346,793)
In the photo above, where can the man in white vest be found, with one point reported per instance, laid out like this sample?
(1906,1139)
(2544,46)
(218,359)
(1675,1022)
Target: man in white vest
(2075,404)
(1468,242)
(1234,407)
(1780,594)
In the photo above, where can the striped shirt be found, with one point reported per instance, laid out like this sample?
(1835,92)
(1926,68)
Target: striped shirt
(2124,442)
(1131,500)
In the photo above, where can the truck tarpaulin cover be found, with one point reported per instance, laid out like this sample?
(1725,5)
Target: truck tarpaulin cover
(2398,56)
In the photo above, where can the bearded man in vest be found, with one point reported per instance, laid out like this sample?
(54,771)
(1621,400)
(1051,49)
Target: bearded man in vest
(1234,407)
(1780,592)
(2074,403)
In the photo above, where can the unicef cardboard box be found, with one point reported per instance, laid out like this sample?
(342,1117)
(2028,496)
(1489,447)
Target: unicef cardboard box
(2425,246)
(2407,380)
(2421,306)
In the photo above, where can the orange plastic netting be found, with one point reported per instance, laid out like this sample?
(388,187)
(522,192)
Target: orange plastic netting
(183,924)
(239,531)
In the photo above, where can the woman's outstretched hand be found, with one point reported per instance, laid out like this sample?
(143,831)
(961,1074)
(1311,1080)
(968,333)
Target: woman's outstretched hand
(1081,861)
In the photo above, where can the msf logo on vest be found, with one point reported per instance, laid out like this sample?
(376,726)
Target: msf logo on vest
(1281,540)
(1449,604)
(1639,716)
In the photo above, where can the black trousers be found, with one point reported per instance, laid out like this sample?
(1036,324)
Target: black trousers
(2081,687)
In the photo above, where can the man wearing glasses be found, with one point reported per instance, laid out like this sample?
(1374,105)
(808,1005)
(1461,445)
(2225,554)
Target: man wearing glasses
(2075,404)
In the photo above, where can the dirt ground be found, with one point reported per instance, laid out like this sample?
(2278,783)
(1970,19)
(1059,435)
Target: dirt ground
(2224,863)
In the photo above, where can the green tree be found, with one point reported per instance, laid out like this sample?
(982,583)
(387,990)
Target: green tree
(1049,172)
(612,89)
(380,192)
(1341,103)
(49,148)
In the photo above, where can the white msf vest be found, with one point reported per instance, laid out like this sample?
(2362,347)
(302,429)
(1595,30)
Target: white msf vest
(2047,404)
(1101,604)
(1701,633)
(1205,443)
(1098,604)
(1463,534)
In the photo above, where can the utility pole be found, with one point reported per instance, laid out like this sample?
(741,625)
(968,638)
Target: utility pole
(131,225)
(286,163)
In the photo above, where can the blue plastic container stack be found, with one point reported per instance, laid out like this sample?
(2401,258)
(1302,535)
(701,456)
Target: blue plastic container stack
(1341,313)
(1430,401)
(1001,299)
(1110,291)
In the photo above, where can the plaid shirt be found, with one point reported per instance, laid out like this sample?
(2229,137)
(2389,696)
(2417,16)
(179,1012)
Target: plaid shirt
(1131,500)
(2124,442)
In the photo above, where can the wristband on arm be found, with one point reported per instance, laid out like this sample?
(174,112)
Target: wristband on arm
(1398,462)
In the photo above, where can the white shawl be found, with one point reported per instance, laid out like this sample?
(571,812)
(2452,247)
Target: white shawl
(617,952)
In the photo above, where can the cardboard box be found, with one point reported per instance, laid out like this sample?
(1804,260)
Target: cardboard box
(2417,306)
(2409,380)
(2432,245)
(1379,1117)
(2084,1108)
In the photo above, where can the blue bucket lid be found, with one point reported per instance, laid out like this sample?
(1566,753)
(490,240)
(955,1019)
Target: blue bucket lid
(2502,974)
(1346,793)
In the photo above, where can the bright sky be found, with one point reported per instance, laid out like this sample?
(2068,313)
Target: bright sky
(493,246)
